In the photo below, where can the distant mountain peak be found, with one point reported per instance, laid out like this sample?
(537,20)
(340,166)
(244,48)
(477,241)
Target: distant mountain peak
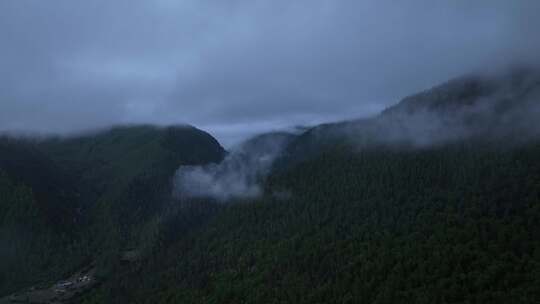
(517,83)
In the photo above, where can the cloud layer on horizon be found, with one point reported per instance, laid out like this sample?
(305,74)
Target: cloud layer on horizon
(241,67)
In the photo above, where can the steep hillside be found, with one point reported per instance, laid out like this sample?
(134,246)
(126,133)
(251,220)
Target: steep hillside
(127,171)
(115,156)
(478,107)
(52,186)
(442,225)
(38,215)
(89,196)
(504,90)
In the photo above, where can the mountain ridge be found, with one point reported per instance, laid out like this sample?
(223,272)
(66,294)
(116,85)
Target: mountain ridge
(88,193)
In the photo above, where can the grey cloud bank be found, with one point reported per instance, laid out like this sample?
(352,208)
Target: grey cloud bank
(239,67)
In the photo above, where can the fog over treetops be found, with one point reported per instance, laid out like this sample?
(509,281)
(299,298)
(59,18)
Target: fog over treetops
(500,108)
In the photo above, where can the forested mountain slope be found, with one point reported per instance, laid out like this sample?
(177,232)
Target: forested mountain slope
(68,201)
(426,205)
(478,107)
(447,225)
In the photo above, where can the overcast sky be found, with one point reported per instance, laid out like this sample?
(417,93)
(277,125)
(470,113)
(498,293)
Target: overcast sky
(238,67)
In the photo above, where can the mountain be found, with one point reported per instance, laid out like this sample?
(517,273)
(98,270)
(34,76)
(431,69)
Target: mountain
(503,90)
(52,186)
(129,168)
(480,107)
(435,200)
(95,192)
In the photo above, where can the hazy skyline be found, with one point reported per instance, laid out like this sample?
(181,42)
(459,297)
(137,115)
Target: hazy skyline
(236,68)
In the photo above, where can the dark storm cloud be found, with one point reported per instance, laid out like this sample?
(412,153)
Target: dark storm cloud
(240,67)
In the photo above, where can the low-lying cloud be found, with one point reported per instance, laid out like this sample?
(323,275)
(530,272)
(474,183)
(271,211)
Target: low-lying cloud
(73,65)
(483,107)
(239,176)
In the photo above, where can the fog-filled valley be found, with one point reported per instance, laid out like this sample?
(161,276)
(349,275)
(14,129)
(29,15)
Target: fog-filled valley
(434,200)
